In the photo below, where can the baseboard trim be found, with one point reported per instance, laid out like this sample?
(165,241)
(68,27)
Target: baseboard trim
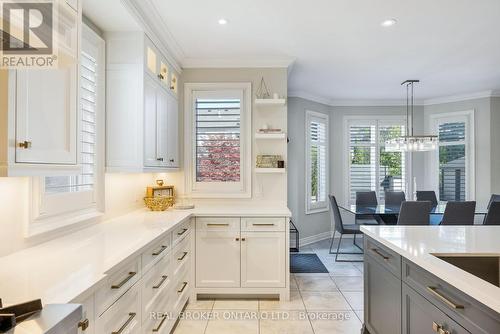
(321,236)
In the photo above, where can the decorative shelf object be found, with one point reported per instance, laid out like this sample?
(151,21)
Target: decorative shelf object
(270,170)
(280,135)
(270,102)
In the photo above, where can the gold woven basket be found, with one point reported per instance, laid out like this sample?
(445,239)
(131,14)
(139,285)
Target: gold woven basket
(159,203)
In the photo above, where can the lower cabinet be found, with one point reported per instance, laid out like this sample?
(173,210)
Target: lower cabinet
(421,317)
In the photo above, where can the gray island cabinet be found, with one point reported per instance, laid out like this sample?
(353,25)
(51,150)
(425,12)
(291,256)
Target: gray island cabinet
(403,298)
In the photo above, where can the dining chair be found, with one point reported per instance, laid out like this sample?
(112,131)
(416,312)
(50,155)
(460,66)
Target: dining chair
(367,199)
(394,198)
(493,198)
(427,195)
(414,213)
(342,229)
(459,213)
(493,215)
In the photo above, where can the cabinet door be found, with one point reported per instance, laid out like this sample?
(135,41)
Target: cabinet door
(263,256)
(382,299)
(86,325)
(217,259)
(46,115)
(162,126)
(151,158)
(421,317)
(152,59)
(172,132)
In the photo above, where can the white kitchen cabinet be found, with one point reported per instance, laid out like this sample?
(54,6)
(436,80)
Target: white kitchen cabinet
(87,324)
(39,108)
(217,259)
(142,112)
(263,259)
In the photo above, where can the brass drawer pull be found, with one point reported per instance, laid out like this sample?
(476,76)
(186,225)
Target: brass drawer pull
(376,251)
(25,144)
(433,291)
(182,257)
(262,224)
(122,283)
(184,230)
(439,329)
(183,287)
(218,224)
(131,316)
(243,239)
(84,324)
(157,329)
(158,252)
(160,283)
(237,239)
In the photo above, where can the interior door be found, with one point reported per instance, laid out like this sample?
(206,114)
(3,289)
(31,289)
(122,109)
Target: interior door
(217,259)
(263,259)
(150,123)
(172,132)
(46,115)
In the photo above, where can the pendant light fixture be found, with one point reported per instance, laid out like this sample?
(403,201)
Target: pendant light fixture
(410,142)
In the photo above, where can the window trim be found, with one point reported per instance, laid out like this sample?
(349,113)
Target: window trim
(311,208)
(470,158)
(375,119)
(41,222)
(212,189)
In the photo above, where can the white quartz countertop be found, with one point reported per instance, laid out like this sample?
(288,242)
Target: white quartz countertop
(419,243)
(66,268)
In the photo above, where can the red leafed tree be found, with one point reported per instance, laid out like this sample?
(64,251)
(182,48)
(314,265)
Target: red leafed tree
(218,158)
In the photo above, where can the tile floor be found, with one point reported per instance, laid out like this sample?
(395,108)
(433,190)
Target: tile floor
(319,303)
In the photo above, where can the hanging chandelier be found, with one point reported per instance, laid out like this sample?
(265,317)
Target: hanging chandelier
(410,142)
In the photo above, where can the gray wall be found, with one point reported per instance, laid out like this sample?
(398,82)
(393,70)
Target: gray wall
(495,145)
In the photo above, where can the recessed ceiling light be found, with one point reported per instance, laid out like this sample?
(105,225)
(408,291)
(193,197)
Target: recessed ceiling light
(222,21)
(388,22)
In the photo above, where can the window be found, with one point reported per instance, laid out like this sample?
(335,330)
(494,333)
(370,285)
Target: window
(218,117)
(317,162)
(454,158)
(66,199)
(369,166)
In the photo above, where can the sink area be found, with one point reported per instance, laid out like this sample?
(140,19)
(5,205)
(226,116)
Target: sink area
(485,267)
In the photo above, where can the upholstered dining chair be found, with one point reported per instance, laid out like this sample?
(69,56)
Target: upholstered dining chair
(459,213)
(414,213)
(493,215)
(367,199)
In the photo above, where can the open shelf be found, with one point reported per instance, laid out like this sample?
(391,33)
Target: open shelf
(259,135)
(270,170)
(270,102)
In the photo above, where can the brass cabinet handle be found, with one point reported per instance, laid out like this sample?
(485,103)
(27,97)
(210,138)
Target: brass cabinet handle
(159,159)
(439,329)
(84,324)
(157,329)
(218,224)
(160,76)
(160,283)
(25,144)
(131,316)
(376,251)
(182,257)
(237,239)
(259,224)
(433,291)
(122,283)
(182,232)
(184,284)
(158,252)
(243,239)
(172,160)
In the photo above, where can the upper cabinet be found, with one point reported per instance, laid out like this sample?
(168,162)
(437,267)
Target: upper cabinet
(39,108)
(142,108)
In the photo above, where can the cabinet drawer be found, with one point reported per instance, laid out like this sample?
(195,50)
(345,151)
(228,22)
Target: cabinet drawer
(116,284)
(181,294)
(263,224)
(124,316)
(156,252)
(472,314)
(181,256)
(384,256)
(156,284)
(180,232)
(217,224)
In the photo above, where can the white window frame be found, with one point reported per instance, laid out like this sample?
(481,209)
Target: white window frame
(50,212)
(320,206)
(373,120)
(468,117)
(242,189)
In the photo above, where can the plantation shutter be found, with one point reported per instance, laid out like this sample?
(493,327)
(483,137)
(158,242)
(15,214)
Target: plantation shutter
(452,161)
(318,157)
(362,159)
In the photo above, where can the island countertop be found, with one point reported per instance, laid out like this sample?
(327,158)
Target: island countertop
(419,243)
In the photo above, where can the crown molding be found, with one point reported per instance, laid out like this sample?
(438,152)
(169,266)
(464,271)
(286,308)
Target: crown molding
(237,62)
(463,97)
(148,18)
(310,97)
(351,102)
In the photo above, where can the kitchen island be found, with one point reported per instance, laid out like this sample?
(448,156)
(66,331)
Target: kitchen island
(431,279)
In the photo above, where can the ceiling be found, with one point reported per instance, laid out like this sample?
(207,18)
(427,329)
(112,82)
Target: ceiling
(339,48)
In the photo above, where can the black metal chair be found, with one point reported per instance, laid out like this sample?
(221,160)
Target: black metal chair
(493,215)
(493,198)
(414,213)
(367,199)
(459,213)
(342,230)
(427,195)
